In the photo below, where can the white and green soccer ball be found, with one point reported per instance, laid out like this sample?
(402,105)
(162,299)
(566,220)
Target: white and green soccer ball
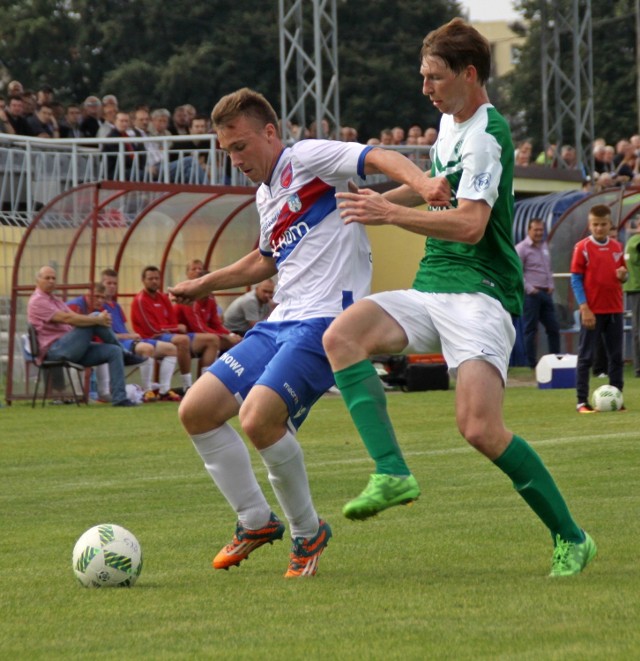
(107,555)
(607,398)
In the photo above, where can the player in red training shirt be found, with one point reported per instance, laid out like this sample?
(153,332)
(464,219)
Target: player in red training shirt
(153,316)
(597,273)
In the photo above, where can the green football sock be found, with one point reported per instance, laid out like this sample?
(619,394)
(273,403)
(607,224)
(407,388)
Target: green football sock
(534,483)
(364,396)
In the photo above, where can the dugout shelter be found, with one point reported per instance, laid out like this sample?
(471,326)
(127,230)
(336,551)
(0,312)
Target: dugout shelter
(124,226)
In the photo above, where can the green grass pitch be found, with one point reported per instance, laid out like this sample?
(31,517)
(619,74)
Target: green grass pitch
(461,574)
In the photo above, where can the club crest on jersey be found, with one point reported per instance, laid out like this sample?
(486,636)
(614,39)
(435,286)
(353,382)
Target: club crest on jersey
(287,176)
(481,181)
(294,203)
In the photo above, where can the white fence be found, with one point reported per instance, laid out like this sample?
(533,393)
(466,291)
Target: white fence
(34,170)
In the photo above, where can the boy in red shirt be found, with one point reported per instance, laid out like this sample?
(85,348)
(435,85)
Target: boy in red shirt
(597,273)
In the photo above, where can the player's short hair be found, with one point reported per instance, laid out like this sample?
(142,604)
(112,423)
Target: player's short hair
(108,273)
(600,211)
(532,221)
(459,45)
(148,269)
(244,102)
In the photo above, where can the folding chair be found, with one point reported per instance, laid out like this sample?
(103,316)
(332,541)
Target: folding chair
(46,367)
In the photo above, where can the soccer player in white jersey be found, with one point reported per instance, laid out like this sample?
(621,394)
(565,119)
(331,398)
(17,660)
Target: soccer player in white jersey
(273,377)
(468,285)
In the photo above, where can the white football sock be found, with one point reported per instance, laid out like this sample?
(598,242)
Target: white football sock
(146,371)
(227,460)
(167,366)
(187,381)
(288,476)
(102,379)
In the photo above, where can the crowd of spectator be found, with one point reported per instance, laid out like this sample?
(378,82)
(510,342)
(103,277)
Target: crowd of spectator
(617,165)
(39,114)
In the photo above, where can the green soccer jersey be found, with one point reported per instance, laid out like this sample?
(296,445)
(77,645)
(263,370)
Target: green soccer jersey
(476,157)
(632,259)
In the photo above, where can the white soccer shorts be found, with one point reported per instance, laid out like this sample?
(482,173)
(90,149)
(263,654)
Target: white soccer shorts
(461,326)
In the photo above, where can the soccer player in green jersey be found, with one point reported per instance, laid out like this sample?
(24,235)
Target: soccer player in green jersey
(468,285)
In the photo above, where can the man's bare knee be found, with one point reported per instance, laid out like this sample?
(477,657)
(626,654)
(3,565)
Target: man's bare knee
(263,417)
(206,405)
(332,339)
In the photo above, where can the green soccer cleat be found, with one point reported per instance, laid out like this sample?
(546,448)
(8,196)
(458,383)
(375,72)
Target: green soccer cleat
(570,558)
(383,491)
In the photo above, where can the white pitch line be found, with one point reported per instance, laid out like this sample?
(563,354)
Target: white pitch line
(467,448)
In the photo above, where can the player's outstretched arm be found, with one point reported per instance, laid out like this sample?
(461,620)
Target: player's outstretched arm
(248,270)
(417,184)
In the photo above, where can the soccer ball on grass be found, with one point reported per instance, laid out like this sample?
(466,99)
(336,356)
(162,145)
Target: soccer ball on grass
(107,555)
(607,398)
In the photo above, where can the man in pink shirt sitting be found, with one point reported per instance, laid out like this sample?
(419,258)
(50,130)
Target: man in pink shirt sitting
(64,334)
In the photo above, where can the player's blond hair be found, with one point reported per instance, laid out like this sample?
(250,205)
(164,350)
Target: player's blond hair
(244,102)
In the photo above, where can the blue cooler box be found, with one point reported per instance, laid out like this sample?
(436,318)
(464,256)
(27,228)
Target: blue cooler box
(557,371)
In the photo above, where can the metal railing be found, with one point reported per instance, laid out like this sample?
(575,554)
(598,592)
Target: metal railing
(35,170)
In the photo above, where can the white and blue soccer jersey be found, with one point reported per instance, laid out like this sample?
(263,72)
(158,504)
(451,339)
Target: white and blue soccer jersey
(323,264)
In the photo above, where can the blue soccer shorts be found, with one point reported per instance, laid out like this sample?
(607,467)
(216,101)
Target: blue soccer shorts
(286,356)
(130,345)
(166,337)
